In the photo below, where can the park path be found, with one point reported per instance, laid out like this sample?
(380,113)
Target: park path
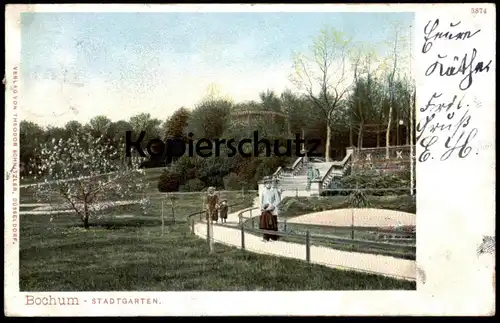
(362,262)
(47,208)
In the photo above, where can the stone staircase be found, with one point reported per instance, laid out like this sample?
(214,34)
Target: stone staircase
(293,179)
(298,181)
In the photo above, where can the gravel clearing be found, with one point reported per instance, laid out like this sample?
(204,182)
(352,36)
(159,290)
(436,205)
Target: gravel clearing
(362,218)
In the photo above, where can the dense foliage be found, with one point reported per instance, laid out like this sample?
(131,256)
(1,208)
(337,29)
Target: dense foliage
(367,110)
(377,184)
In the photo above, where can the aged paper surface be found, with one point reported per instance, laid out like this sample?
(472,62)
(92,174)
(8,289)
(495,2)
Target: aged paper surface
(386,86)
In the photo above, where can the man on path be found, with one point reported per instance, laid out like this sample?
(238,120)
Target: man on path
(311,174)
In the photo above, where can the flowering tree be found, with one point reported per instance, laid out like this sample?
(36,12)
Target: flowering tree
(87,174)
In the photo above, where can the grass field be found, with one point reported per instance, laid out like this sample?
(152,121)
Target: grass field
(130,254)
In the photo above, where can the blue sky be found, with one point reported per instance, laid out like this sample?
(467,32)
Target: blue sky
(121,64)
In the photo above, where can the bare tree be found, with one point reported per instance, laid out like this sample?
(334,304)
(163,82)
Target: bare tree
(391,97)
(399,64)
(323,76)
(363,100)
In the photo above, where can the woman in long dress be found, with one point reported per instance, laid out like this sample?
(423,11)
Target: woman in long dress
(211,202)
(269,211)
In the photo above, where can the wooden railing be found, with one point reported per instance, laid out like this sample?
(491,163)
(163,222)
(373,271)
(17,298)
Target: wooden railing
(401,153)
(198,216)
(248,224)
(293,170)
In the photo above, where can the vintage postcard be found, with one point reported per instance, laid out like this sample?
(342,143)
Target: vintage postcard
(249,160)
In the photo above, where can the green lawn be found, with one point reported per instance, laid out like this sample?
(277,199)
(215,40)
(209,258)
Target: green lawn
(130,254)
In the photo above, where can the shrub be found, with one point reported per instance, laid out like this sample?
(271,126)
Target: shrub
(169,181)
(192,185)
(152,163)
(233,182)
(213,169)
(297,206)
(293,206)
(186,166)
(389,184)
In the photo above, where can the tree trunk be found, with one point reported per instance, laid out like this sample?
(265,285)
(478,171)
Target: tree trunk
(388,133)
(173,210)
(394,137)
(398,128)
(378,136)
(86,221)
(407,135)
(352,223)
(360,135)
(303,143)
(327,147)
(86,216)
(351,139)
(391,102)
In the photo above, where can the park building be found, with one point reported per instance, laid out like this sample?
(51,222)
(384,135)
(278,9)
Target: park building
(251,118)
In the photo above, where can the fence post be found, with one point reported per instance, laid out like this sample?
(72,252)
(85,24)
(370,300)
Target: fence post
(296,192)
(211,237)
(308,246)
(173,207)
(208,231)
(242,237)
(253,223)
(192,226)
(162,219)
(285,225)
(202,206)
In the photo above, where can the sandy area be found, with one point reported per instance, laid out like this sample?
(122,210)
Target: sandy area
(362,217)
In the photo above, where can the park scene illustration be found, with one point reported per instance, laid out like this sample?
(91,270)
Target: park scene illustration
(324,200)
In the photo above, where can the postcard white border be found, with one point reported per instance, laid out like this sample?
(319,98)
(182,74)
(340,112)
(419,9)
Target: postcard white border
(457,282)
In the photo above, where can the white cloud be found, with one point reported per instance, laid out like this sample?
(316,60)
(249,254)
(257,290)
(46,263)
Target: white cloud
(161,87)
(157,82)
